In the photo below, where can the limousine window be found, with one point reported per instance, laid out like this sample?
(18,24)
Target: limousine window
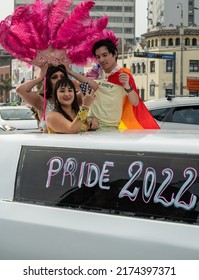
(147,185)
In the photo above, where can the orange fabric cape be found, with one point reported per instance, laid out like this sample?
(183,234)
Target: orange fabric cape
(133,117)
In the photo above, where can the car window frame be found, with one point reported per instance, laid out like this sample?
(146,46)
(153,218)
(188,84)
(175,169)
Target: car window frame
(184,107)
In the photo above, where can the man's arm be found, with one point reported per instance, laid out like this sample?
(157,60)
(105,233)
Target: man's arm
(81,78)
(129,87)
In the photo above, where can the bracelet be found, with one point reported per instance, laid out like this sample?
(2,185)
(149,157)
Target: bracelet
(129,89)
(82,115)
(84,128)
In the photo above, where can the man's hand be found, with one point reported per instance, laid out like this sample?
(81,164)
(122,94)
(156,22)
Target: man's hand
(124,79)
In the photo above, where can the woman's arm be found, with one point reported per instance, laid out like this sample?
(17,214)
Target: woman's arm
(25,90)
(58,123)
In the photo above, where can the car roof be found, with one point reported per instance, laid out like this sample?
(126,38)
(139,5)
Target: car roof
(177,101)
(13,107)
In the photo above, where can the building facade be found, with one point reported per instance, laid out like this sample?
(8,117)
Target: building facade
(168,63)
(170,13)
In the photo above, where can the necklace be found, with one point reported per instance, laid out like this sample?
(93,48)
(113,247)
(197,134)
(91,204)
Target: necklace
(106,75)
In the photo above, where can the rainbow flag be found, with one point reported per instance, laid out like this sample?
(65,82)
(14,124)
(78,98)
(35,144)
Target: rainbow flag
(133,117)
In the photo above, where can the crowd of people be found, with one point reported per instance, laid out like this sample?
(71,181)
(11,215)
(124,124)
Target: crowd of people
(62,107)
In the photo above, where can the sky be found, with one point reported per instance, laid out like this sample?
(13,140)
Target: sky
(141,17)
(6,9)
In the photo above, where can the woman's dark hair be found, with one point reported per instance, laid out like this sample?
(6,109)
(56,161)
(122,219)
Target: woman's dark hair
(65,82)
(51,70)
(111,47)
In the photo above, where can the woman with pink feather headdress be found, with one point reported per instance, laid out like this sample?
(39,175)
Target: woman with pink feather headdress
(43,33)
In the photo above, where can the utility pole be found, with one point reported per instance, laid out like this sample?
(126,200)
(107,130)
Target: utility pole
(123,34)
(179,5)
(174,74)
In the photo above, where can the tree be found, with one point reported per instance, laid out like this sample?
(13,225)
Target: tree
(6,86)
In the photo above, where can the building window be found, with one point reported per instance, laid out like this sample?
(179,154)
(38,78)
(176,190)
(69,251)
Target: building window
(152,66)
(156,42)
(187,42)
(170,42)
(111,8)
(169,65)
(168,91)
(116,29)
(128,20)
(142,93)
(143,68)
(128,31)
(114,19)
(177,41)
(163,42)
(194,66)
(152,88)
(128,9)
(194,42)
(138,68)
(133,68)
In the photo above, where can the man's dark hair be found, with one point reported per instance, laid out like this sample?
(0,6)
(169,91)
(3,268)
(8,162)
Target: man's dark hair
(111,47)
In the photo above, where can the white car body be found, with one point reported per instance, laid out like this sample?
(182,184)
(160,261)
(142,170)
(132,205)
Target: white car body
(177,104)
(51,209)
(17,118)
(2,128)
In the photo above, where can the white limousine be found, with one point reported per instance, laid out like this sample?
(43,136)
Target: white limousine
(112,195)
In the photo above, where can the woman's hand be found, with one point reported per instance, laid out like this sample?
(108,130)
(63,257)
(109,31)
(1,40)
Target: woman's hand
(66,63)
(94,124)
(43,70)
(88,99)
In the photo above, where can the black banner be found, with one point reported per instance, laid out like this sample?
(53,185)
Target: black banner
(149,185)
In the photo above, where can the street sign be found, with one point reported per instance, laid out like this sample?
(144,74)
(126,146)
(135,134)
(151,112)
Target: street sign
(154,55)
(140,54)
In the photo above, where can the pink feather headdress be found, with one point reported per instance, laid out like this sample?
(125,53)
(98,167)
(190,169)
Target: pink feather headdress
(50,32)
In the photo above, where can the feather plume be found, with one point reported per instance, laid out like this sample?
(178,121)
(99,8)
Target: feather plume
(33,20)
(91,27)
(19,51)
(39,18)
(73,24)
(57,13)
(12,43)
(23,29)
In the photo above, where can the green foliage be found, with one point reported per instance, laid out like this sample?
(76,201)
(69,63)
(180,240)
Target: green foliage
(5,87)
